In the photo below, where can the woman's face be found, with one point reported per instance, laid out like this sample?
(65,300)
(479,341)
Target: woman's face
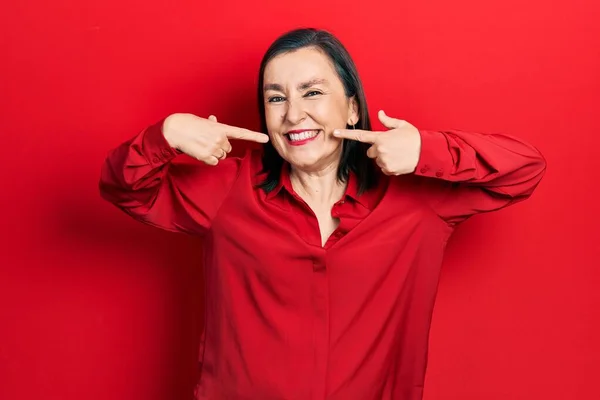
(304,103)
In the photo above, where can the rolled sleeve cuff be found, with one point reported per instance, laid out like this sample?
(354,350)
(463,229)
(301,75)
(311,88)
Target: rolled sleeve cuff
(435,159)
(155,147)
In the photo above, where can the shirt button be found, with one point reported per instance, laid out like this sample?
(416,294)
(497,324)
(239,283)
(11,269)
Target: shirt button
(155,160)
(439,173)
(423,170)
(318,266)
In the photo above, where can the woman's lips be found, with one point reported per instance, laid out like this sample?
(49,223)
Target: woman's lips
(300,137)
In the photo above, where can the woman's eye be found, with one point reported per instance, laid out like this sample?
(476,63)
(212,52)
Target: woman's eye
(275,99)
(312,93)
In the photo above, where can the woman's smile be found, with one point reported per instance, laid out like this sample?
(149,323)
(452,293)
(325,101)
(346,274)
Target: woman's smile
(300,137)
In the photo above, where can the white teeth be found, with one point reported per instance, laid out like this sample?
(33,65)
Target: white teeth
(294,137)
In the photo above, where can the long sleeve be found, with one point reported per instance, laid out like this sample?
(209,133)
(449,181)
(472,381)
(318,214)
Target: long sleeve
(477,172)
(141,178)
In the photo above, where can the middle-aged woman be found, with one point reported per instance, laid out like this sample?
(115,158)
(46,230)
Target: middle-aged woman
(323,248)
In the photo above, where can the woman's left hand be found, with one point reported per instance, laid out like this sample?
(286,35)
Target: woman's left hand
(396,151)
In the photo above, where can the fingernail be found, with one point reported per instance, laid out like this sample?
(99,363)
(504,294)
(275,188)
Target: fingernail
(336,132)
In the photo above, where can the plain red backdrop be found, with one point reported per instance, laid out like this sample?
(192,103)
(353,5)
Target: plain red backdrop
(95,306)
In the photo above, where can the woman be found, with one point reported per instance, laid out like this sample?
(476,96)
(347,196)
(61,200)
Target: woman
(323,249)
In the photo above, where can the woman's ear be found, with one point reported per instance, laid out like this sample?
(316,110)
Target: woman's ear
(353,115)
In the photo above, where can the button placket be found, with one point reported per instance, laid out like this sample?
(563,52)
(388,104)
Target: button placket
(320,324)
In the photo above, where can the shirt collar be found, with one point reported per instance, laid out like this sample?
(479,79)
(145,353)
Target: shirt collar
(366,199)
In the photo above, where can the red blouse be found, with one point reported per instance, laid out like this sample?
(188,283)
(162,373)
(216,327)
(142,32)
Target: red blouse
(288,318)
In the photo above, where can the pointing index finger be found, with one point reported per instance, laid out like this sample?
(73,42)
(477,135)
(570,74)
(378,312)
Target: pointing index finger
(233,132)
(356,134)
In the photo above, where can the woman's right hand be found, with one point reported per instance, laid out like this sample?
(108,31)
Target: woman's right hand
(205,139)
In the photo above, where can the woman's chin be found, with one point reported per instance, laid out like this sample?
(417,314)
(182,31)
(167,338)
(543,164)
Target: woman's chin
(309,161)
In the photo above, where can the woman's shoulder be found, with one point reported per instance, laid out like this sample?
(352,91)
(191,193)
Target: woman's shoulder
(249,161)
(252,158)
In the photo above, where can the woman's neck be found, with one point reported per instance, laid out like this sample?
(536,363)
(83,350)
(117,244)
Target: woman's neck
(319,187)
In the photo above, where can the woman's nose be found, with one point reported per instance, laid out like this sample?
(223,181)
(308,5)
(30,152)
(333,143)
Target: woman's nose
(295,113)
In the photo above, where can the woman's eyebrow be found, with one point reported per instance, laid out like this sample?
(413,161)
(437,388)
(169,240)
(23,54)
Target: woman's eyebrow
(273,86)
(312,82)
(301,86)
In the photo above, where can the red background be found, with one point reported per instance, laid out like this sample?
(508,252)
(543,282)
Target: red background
(96,306)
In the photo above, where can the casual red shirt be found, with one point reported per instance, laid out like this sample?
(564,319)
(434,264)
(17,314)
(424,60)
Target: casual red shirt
(288,318)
